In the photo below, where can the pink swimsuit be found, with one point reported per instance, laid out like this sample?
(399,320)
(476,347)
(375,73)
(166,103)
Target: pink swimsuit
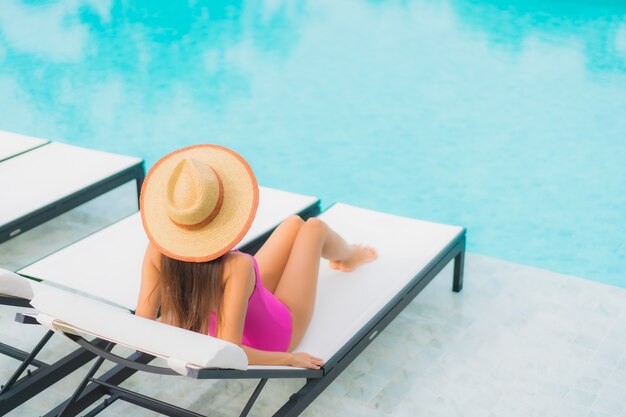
(268,321)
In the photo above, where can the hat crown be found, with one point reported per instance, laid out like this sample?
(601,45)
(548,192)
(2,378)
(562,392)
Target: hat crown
(183,186)
(194,193)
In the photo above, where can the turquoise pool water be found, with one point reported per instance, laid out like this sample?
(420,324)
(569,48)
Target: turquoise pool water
(507,117)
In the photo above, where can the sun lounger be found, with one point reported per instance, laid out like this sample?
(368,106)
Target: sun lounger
(53,178)
(411,254)
(13,144)
(118,251)
(68,267)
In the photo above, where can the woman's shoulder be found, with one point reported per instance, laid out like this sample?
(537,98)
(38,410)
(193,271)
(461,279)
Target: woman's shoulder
(238,264)
(153,255)
(239,270)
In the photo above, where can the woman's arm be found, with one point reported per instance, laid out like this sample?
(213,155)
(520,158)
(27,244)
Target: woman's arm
(149,298)
(299,359)
(239,282)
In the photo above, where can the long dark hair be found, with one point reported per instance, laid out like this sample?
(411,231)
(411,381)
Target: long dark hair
(190,291)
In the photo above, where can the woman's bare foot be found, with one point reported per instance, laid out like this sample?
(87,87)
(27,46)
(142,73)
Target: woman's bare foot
(360,255)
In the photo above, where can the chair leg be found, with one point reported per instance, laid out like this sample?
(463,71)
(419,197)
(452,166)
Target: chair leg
(305,396)
(18,372)
(93,392)
(253,398)
(83,384)
(459,262)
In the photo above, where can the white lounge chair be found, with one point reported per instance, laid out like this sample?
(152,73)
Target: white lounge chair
(411,254)
(53,178)
(118,250)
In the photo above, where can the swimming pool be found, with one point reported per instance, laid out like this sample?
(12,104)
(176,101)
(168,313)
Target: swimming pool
(505,117)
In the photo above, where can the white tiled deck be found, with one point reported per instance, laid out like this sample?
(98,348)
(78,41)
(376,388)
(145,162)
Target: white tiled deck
(518,341)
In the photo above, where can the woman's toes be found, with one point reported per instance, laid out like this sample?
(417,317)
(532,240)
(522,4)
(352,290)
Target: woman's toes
(360,255)
(371,254)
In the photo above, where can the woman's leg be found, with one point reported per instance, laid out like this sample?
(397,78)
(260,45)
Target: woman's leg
(273,255)
(298,284)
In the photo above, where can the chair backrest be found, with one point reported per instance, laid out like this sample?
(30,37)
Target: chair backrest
(178,346)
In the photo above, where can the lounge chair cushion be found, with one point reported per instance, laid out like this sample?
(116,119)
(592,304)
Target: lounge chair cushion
(120,326)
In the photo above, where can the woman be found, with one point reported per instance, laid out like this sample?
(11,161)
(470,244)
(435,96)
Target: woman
(197,203)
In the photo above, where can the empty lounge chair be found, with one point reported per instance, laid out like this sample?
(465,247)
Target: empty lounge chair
(42,183)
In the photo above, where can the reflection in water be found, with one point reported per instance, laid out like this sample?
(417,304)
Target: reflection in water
(49,31)
(594,25)
(144,51)
(504,117)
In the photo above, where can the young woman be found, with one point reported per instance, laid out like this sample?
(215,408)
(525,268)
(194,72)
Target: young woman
(197,204)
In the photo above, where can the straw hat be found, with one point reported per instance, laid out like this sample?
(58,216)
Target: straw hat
(198,202)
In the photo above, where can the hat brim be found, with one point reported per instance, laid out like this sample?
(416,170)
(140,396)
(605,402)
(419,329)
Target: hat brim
(241,199)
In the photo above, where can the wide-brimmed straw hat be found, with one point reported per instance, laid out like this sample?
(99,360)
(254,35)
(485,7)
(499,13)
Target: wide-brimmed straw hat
(198,202)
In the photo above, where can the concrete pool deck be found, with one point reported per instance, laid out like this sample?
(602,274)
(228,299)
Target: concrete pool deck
(517,341)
